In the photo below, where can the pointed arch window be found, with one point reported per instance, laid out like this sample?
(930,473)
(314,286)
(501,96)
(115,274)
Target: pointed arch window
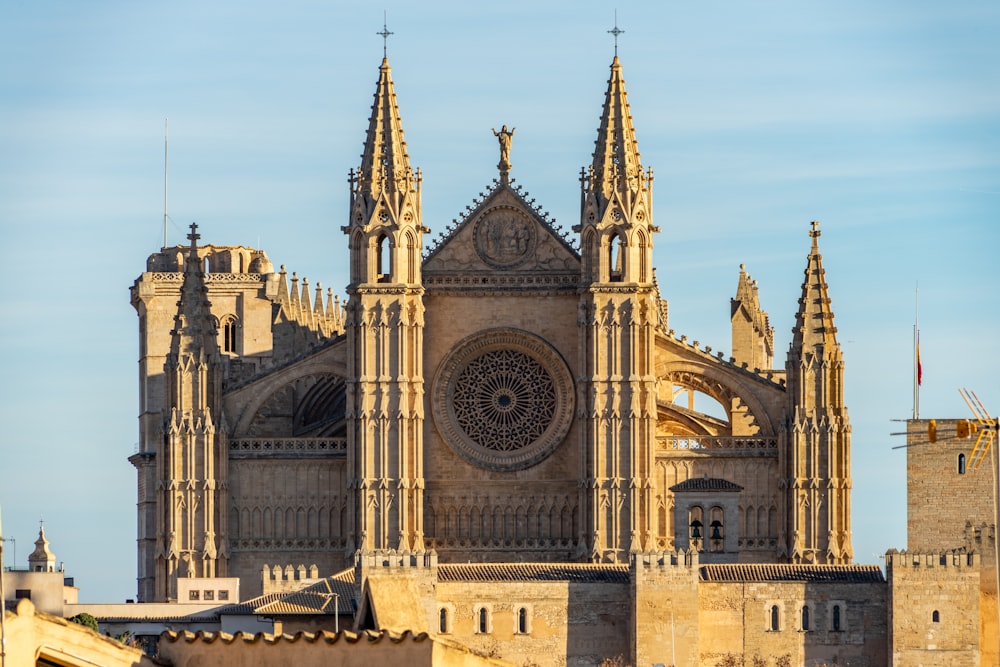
(805,619)
(229,331)
(696,526)
(961,464)
(716,529)
(936,616)
(836,622)
(383,251)
(775,618)
(616,259)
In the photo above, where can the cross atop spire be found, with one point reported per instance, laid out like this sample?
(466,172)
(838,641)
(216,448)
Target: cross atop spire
(615,32)
(814,232)
(194,235)
(385,34)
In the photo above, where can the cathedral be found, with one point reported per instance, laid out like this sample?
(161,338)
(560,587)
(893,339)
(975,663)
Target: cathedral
(504,407)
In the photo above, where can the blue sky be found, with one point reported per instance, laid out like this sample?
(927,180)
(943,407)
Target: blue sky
(881,120)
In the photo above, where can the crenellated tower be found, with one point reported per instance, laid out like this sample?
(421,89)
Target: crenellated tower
(818,466)
(385,321)
(618,315)
(192,466)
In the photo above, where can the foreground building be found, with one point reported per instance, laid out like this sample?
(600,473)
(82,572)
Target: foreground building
(490,439)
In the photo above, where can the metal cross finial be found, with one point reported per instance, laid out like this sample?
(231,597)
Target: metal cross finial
(616,31)
(814,232)
(385,34)
(194,235)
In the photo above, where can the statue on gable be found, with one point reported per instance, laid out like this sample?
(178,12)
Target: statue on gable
(504,136)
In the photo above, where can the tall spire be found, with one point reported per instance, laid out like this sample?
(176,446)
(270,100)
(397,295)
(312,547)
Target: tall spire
(194,326)
(814,329)
(616,168)
(616,226)
(385,173)
(818,473)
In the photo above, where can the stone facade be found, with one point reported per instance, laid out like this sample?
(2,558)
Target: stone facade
(498,433)
(507,394)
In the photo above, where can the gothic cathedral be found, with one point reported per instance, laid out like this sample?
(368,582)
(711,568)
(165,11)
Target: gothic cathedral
(511,393)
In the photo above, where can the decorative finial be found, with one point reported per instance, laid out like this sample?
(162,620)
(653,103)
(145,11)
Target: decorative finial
(504,136)
(615,32)
(385,34)
(814,232)
(194,235)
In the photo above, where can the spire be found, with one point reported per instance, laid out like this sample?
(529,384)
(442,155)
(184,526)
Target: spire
(616,168)
(194,326)
(385,171)
(818,471)
(42,559)
(814,330)
(616,226)
(753,335)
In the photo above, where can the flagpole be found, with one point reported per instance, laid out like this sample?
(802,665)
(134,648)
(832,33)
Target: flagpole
(916,353)
(3,603)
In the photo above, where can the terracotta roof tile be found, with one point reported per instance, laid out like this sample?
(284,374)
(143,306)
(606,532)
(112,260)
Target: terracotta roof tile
(706,484)
(850,574)
(318,598)
(573,572)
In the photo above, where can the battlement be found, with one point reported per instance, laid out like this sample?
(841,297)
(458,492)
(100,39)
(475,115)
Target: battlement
(277,579)
(395,559)
(687,560)
(914,560)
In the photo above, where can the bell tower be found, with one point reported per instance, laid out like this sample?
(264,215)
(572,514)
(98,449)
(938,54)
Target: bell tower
(191,471)
(818,468)
(385,322)
(618,314)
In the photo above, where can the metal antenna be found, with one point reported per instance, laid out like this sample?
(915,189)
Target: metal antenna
(165,182)
(616,31)
(385,34)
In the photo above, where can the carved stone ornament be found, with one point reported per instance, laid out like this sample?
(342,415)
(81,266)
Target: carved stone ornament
(503,399)
(504,237)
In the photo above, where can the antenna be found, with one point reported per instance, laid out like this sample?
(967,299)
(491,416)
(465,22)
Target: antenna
(165,154)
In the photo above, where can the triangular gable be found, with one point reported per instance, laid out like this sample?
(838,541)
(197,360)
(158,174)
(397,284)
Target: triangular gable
(502,232)
(390,603)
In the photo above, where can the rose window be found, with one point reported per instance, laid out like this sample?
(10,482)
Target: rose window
(503,399)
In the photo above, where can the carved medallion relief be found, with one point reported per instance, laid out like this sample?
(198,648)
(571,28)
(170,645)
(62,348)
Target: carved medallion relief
(504,237)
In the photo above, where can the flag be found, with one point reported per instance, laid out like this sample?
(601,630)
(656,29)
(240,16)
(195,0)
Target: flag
(920,368)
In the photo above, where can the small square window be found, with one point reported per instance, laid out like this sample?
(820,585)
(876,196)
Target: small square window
(22,594)
(194,595)
(209,595)
(223,595)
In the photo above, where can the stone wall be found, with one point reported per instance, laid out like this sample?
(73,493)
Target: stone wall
(934,610)
(566,623)
(664,614)
(941,500)
(736,620)
(348,649)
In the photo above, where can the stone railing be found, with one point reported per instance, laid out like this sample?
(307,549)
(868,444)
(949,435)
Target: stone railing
(718,445)
(287,447)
